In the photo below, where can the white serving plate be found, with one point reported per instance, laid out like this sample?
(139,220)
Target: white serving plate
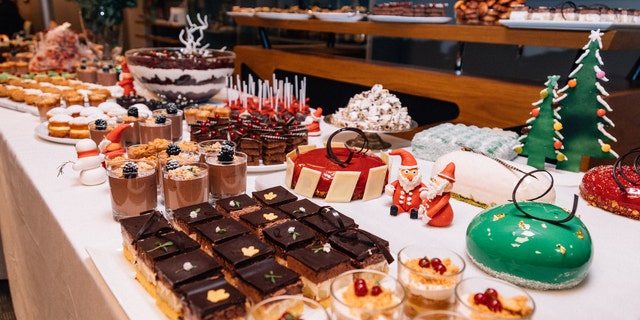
(403,19)
(283,16)
(42,131)
(556,25)
(240,14)
(339,16)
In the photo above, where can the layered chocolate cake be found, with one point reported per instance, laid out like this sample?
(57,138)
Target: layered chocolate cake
(300,208)
(366,250)
(241,252)
(263,218)
(268,278)
(138,227)
(212,299)
(274,196)
(212,233)
(236,206)
(329,221)
(187,218)
(288,236)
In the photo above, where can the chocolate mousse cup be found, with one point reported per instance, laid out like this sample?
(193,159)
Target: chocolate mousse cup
(185,186)
(97,133)
(150,130)
(133,187)
(132,135)
(176,123)
(227,179)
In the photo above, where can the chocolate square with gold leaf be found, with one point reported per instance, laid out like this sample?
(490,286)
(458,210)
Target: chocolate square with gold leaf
(264,217)
(273,197)
(242,251)
(212,298)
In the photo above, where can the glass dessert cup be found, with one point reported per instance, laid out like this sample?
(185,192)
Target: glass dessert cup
(131,136)
(149,130)
(227,179)
(514,302)
(133,195)
(211,147)
(278,307)
(185,186)
(350,301)
(176,123)
(174,73)
(429,288)
(440,315)
(98,135)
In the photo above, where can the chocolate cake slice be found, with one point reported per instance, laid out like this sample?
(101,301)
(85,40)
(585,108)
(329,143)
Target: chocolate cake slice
(300,208)
(179,270)
(274,196)
(263,218)
(187,217)
(212,233)
(212,299)
(237,205)
(268,278)
(242,251)
(156,248)
(138,227)
(329,221)
(288,236)
(366,250)
(318,265)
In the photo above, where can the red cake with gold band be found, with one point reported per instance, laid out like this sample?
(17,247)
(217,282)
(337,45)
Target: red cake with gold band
(314,172)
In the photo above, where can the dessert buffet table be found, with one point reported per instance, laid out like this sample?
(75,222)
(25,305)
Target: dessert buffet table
(54,230)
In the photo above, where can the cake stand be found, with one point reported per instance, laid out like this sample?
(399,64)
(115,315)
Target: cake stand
(375,140)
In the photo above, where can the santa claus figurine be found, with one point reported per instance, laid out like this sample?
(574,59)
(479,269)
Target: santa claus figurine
(89,163)
(312,122)
(435,208)
(405,191)
(110,146)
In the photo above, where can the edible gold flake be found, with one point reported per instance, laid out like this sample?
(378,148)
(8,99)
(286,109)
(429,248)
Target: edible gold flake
(561,249)
(250,251)
(270,216)
(580,234)
(499,216)
(216,296)
(523,225)
(270,196)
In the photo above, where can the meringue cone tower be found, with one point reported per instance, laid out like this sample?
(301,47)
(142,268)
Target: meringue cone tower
(583,111)
(541,138)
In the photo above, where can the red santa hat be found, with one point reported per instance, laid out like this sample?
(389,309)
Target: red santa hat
(86,148)
(116,134)
(449,172)
(408,161)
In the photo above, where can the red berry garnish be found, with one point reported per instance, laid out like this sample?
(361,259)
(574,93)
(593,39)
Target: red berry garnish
(490,292)
(424,262)
(440,268)
(436,261)
(360,287)
(494,305)
(478,298)
(376,290)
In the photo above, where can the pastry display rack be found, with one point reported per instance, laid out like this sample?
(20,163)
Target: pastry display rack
(478,106)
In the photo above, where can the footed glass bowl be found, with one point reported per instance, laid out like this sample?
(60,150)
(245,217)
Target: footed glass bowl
(173,73)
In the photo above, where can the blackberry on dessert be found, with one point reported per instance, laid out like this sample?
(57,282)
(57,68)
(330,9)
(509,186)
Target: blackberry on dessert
(212,233)
(266,279)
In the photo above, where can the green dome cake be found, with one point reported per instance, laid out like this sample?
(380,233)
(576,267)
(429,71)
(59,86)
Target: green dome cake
(535,250)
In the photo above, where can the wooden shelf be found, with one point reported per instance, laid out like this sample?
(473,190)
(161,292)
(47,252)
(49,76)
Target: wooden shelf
(617,39)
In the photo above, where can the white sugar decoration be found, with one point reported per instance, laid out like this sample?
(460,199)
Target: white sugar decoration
(608,121)
(187,266)
(604,103)
(605,133)
(193,214)
(599,58)
(584,55)
(191,43)
(560,136)
(573,73)
(596,35)
(326,247)
(601,89)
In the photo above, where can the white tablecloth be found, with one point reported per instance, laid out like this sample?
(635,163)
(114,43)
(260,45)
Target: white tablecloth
(48,221)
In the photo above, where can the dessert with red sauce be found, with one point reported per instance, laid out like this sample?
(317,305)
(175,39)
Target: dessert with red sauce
(615,188)
(336,174)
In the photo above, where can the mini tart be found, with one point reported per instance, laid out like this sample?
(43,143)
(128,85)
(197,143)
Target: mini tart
(600,190)
(311,173)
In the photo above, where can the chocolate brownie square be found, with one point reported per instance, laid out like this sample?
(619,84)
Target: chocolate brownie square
(273,197)
(214,232)
(300,208)
(207,299)
(237,205)
(187,217)
(242,251)
(268,278)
